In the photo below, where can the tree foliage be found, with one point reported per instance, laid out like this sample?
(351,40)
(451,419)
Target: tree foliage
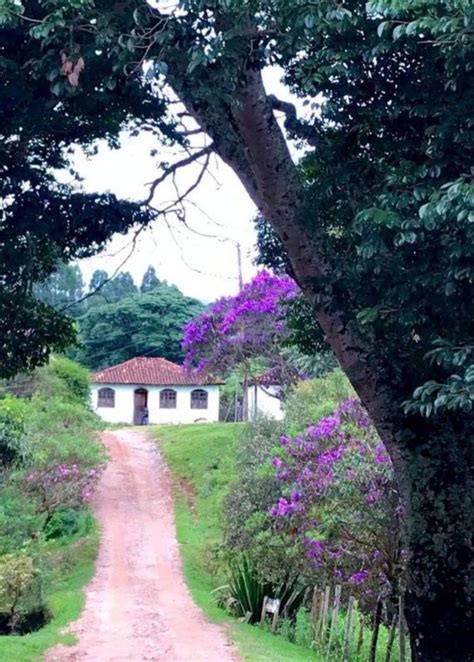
(63,289)
(235,330)
(376,220)
(150,280)
(138,325)
(42,221)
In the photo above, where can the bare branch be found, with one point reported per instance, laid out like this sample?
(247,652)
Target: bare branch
(174,168)
(99,287)
(190,132)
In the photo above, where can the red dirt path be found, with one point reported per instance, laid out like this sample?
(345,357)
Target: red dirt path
(137,606)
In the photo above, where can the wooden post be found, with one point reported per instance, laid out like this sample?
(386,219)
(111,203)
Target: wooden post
(391,638)
(264,611)
(324,615)
(275,621)
(401,628)
(375,633)
(335,614)
(347,634)
(318,622)
(360,639)
(314,612)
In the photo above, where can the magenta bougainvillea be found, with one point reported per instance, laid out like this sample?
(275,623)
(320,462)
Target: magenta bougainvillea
(340,502)
(239,328)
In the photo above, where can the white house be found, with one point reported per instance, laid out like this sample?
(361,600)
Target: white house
(153,390)
(264,399)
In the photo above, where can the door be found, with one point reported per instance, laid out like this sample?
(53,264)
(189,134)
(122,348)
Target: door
(140,409)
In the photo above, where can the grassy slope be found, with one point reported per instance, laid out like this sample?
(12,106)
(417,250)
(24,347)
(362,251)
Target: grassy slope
(200,457)
(65,597)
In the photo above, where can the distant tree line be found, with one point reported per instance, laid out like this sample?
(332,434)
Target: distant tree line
(115,319)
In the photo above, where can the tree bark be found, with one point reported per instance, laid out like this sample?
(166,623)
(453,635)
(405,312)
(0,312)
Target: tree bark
(432,466)
(439,608)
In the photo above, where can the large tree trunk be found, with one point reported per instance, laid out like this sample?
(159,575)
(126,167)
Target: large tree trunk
(432,466)
(438,482)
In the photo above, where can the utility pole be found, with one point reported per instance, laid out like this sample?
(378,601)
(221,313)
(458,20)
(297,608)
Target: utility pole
(239,264)
(245,369)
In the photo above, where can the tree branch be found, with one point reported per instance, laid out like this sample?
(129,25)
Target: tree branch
(174,168)
(292,123)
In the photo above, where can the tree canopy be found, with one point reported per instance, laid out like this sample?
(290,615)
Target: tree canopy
(150,280)
(147,324)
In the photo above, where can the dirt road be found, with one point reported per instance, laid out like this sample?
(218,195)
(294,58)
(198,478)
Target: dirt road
(137,606)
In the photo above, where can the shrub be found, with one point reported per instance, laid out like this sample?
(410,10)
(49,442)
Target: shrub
(255,489)
(246,591)
(67,522)
(74,377)
(339,502)
(20,589)
(60,487)
(19,518)
(303,632)
(312,399)
(13,445)
(63,432)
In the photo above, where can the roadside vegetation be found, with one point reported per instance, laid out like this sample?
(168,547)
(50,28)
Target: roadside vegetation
(250,526)
(50,460)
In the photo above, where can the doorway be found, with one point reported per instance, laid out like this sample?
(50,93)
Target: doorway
(140,408)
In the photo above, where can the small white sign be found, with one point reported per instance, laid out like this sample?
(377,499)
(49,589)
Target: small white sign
(272,606)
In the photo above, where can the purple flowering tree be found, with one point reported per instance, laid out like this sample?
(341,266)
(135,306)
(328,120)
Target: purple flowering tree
(340,502)
(62,486)
(235,330)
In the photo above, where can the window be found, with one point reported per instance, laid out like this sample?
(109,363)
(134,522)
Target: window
(106,397)
(168,399)
(199,399)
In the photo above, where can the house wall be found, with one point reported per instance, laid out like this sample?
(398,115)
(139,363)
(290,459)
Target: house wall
(124,404)
(262,403)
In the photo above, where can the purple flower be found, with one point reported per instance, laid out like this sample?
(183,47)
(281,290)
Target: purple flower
(373,497)
(358,577)
(325,428)
(315,548)
(380,455)
(399,512)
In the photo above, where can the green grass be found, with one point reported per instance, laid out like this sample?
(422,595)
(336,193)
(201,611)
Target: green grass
(201,460)
(65,597)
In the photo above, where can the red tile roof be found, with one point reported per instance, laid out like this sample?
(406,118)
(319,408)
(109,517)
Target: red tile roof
(149,371)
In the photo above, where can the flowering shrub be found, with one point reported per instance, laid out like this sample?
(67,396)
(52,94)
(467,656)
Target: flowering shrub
(238,328)
(339,502)
(61,486)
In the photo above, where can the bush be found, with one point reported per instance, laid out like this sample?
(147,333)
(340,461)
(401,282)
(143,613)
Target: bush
(312,399)
(63,432)
(60,487)
(67,522)
(13,445)
(50,460)
(254,491)
(303,628)
(339,503)
(74,377)
(21,594)
(20,520)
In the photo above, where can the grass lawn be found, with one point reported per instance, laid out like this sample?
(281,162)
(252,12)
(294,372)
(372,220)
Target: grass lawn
(201,460)
(65,597)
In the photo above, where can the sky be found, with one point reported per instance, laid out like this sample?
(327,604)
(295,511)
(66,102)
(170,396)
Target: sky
(205,267)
